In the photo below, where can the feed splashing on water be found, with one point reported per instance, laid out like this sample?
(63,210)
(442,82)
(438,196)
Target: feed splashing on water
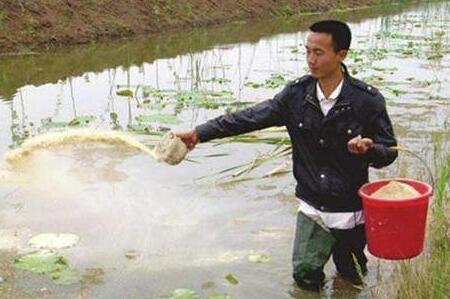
(170,149)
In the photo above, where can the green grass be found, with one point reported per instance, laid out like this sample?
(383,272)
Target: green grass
(285,10)
(428,276)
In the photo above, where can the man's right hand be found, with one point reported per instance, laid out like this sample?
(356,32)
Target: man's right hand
(189,138)
(359,145)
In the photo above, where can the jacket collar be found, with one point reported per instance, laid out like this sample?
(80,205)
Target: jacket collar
(347,90)
(346,93)
(344,97)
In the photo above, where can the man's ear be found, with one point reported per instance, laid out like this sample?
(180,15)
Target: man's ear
(342,54)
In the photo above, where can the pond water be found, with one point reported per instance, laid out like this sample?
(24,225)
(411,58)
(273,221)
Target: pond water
(187,230)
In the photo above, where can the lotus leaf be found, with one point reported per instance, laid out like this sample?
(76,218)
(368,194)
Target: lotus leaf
(53,241)
(221,296)
(159,118)
(183,294)
(124,93)
(49,263)
(231,278)
(41,262)
(258,257)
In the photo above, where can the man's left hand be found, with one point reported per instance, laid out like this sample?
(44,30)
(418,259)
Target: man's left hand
(359,145)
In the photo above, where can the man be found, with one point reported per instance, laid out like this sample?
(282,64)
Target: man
(338,127)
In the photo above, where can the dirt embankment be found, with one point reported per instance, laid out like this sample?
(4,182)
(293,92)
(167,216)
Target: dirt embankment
(27,25)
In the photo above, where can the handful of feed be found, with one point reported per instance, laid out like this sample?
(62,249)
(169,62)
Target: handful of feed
(170,149)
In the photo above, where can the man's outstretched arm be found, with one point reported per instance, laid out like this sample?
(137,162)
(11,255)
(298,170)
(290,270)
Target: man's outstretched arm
(262,115)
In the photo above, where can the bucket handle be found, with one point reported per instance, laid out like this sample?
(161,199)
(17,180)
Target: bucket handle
(424,163)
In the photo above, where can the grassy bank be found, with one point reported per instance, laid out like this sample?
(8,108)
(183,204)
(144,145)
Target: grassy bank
(428,276)
(31,25)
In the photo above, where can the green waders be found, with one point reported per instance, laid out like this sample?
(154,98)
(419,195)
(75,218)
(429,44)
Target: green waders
(314,245)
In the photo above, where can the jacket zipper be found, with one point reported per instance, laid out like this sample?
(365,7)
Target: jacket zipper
(309,100)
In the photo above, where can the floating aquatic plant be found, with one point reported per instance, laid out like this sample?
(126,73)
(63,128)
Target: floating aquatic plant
(275,81)
(77,122)
(158,118)
(183,294)
(220,296)
(232,279)
(53,241)
(217,80)
(47,262)
(258,257)
(124,93)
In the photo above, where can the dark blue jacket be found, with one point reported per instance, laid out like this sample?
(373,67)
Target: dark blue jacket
(328,175)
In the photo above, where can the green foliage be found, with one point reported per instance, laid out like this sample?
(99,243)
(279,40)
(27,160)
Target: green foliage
(442,184)
(204,99)
(49,123)
(395,91)
(258,257)
(157,99)
(170,7)
(115,120)
(254,84)
(274,81)
(124,93)
(158,118)
(185,8)
(142,128)
(49,263)
(81,121)
(19,132)
(221,296)
(428,276)
(218,80)
(231,278)
(41,262)
(183,294)
(285,10)
(77,122)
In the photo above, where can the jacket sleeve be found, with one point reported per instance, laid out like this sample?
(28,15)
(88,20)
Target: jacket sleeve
(262,115)
(381,132)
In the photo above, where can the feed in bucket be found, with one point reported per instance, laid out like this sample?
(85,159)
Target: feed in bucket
(395,228)
(396,190)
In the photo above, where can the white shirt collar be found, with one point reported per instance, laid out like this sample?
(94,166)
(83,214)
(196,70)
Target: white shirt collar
(333,95)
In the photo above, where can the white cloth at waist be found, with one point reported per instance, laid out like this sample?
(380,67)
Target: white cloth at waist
(337,220)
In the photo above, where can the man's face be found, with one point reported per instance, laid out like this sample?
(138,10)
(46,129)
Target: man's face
(322,60)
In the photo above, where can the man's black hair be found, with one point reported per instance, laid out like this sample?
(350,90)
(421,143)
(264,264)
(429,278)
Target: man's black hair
(339,31)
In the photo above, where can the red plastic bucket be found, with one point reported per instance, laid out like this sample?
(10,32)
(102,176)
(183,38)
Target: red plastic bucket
(395,229)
